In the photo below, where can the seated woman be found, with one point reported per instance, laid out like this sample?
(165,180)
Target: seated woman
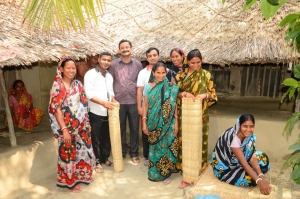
(235,159)
(25,116)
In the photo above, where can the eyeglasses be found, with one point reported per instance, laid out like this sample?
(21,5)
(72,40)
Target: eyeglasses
(125,48)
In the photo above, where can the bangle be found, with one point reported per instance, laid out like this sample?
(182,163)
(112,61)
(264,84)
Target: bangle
(144,118)
(63,128)
(258,179)
(175,116)
(183,93)
(206,96)
(261,174)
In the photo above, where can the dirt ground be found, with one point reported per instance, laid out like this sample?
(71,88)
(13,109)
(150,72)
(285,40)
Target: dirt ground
(133,183)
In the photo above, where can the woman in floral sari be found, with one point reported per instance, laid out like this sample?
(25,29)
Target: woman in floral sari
(161,125)
(70,125)
(235,159)
(25,116)
(195,82)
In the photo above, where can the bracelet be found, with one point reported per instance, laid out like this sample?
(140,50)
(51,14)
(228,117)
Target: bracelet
(144,118)
(261,174)
(183,93)
(175,116)
(63,128)
(206,96)
(258,179)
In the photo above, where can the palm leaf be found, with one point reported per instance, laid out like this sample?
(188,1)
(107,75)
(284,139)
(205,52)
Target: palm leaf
(47,14)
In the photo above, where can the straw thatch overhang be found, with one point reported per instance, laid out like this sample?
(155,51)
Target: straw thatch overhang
(223,32)
(32,47)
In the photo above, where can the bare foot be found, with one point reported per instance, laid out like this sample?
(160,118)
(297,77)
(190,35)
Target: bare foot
(76,189)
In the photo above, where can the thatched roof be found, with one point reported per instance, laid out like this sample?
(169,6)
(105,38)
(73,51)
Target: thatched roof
(24,47)
(223,32)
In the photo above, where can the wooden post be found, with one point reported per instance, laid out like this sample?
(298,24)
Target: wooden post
(263,82)
(269,82)
(275,86)
(12,137)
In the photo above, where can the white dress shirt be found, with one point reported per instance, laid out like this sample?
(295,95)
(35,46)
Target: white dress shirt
(97,85)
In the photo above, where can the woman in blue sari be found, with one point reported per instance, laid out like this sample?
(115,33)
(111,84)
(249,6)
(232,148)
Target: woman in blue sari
(160,123)
(235,159)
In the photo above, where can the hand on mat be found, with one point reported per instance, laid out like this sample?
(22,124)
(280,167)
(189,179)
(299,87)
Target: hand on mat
(108,105)
(189,95)
(264,187)
(201,96)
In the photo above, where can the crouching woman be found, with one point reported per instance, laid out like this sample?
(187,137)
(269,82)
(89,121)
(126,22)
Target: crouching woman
(235,159)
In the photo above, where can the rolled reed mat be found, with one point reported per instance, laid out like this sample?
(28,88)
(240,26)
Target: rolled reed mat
(115,137)
(191,139)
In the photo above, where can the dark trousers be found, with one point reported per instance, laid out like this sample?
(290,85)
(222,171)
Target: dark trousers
(100,137)
(145,143)
(130,111)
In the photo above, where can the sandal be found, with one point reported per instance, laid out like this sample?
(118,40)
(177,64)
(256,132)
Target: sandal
(183,185)
(99,169)
(109,163)
(167,180)
(135,160)
(76,189)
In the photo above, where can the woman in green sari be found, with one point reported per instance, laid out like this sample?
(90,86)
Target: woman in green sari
(195,83)
(161,125)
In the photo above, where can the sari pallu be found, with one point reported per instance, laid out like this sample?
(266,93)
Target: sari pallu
(24,105)
(225,164)
(198,82)
(76,160)
(163,149)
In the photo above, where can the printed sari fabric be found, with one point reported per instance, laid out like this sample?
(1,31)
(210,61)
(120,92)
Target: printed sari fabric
(76,160)
(163,147)
(24,107)
(225,164)
(198,82)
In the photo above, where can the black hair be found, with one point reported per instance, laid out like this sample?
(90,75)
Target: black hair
(104,53)
(245,117)
(63,63)
(158,64)
(194,53)
(150,49)
(178,50)
(16,82)
(123,41)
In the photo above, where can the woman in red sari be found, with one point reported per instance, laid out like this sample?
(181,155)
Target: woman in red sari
(25,116)
(68,113)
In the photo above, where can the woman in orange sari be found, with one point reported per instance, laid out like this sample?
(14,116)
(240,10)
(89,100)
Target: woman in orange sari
(25,116)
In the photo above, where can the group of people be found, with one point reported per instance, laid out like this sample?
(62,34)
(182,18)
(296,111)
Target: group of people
(151,97)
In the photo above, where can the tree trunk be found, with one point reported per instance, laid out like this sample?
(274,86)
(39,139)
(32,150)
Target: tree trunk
(12,137)
(297,103)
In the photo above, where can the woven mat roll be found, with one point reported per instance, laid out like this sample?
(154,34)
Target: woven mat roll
(115,138)
(191,139)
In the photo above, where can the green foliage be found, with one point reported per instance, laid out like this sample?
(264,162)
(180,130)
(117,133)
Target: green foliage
(268,7)
(56,14)
(248,4)
(293,31)
(297,71)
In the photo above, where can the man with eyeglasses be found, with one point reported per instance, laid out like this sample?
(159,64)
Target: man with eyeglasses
(125,71)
